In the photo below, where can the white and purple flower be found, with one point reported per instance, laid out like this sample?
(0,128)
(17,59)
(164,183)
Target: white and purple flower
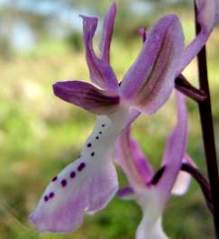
(152,190)
(87,184)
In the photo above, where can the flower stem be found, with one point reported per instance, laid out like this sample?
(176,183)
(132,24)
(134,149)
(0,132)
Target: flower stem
(182,85)
(202,181)
(208,132)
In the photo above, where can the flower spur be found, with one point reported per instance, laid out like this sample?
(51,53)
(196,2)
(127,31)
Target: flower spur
(87,184)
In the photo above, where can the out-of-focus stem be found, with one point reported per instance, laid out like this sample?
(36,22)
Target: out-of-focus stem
(208,132)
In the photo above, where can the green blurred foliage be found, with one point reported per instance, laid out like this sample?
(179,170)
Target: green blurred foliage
(40,134)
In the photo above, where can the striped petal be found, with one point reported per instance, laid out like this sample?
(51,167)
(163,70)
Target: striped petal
(150,80)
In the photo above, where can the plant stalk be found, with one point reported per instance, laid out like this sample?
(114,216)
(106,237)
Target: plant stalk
(182,85)
(206,119)
(202,181)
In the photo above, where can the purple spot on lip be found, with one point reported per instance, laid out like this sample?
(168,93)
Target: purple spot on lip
(72,174)
(97,137)
(92,154)
(54,179)
(81,166)
(46,198)
(103,125)
(64,182)
(51,195)
(89,145)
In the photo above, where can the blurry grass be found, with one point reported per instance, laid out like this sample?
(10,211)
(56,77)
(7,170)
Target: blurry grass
(40,134)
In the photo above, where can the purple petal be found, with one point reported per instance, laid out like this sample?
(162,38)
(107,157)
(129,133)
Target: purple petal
(101,72)
(174,151)
(82,187)
(206,10)
(150,80)
(86,96)
(132,160)
(107,33)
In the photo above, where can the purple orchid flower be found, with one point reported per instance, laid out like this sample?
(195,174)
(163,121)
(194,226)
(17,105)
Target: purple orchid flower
(89,183)
(152,190)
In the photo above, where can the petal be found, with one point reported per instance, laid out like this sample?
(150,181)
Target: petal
(150,80)
(86,96)
(206,14)
(107,33)
(174,151)
(101,72)
(84,186)
(183,179)
(132,160)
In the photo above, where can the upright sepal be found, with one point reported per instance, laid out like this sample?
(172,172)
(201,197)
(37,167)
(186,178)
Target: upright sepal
(101,73)
(108,26)
(150,80)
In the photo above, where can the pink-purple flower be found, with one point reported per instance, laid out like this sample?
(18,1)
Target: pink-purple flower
(152,190)
(87,184)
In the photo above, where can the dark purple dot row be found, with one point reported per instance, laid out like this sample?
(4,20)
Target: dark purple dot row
(73,173)
(55,178)
(64,181)
(50,196)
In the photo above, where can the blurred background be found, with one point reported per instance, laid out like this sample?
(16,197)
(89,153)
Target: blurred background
(40,43)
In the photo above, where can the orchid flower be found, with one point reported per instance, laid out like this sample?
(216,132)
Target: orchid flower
(87,184)
(152,190)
